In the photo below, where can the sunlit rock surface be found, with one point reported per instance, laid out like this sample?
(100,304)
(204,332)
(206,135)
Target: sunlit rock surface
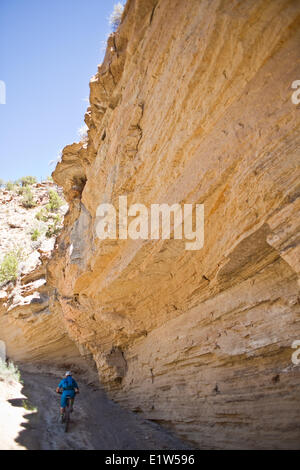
(31,329)
(192,104)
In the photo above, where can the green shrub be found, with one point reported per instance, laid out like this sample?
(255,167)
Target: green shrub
(35,234)
(21,190)
(2,183)
(28,200)
(42,215)
(57,219)
(28,406)
(8,371)
(55,202)
(9,267)
(28,180)
(10,186)
(54,229)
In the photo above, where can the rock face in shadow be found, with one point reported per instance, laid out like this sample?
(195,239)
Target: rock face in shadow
(192,104)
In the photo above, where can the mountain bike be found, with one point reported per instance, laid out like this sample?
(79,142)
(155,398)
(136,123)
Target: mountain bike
(66,415)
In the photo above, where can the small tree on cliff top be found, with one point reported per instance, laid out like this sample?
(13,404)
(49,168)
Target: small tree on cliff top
(28,180)
(83,132)
(116,16)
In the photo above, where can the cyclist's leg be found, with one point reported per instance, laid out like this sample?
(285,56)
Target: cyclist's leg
(72,404)
(63,404)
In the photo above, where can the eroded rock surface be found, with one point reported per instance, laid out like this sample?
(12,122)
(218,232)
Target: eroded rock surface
(192,104)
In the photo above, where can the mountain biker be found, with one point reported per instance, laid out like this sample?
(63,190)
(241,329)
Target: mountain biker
(68,387)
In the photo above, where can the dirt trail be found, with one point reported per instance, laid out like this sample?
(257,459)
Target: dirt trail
(97,422)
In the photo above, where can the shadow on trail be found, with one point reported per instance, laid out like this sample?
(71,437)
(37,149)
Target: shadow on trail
(18,402)
(29,436)
(97,422)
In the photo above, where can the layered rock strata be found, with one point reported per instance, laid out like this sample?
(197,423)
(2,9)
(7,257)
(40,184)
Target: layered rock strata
(192,104)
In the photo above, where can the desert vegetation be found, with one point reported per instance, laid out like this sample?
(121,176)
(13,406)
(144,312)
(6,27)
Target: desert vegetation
(35,213)
(9,266)
(27,180)
(55,201)
(9,372)
(20,184)
(28,198)
(35,234)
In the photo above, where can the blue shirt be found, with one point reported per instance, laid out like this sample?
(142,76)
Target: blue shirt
(68,384)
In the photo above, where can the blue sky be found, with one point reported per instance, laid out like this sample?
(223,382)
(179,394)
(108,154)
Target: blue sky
(49,50)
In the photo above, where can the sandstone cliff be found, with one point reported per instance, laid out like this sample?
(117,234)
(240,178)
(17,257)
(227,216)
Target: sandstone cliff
(192,104)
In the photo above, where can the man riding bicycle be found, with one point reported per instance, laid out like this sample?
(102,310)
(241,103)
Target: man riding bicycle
(68,387)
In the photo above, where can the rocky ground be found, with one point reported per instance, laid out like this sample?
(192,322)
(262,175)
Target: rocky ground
(18,223)
(97,423)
